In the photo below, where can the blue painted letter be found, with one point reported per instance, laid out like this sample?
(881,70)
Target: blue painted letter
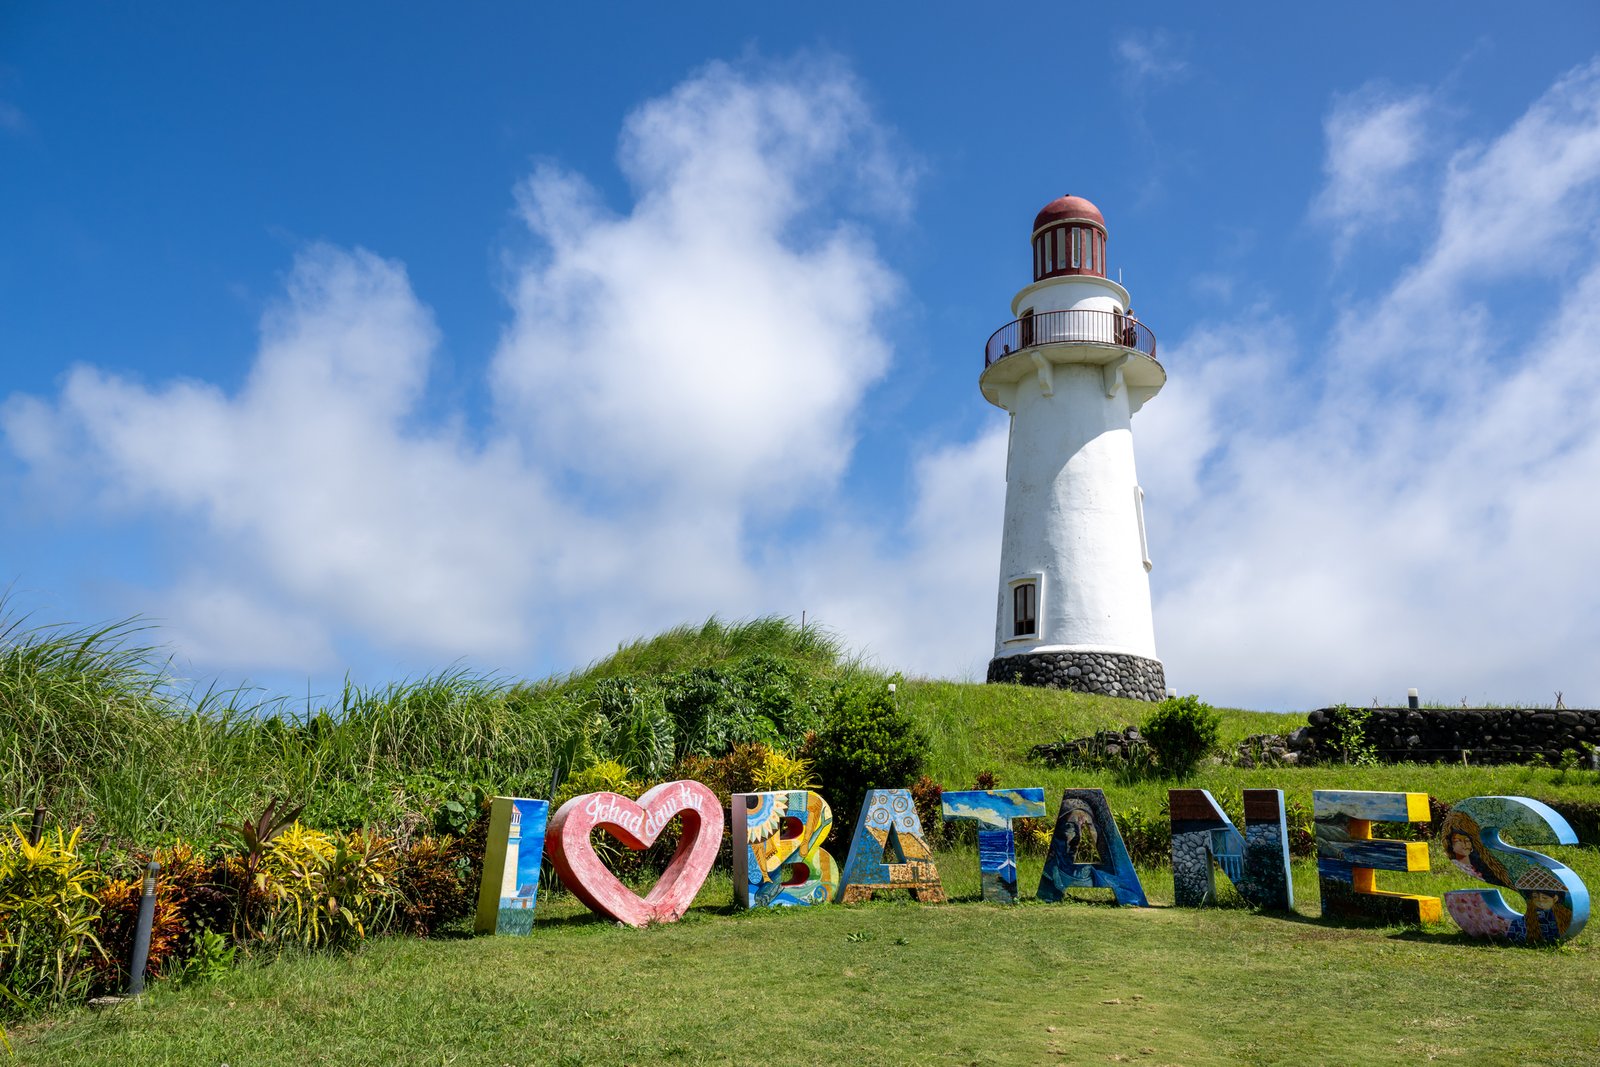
(1085,828)
(993,810)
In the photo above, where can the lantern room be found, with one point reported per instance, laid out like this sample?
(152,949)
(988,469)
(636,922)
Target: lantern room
(1069,237)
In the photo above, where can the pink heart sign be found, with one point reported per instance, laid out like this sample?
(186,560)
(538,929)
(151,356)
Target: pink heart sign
(637,824)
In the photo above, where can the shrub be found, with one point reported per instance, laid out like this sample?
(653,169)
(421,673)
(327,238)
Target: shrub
(434,884)
(211,958)
(1033,835)
(867,742)
(1181,731)
(1148,837)
(1350,735)
(120,899)
(48,911)
(780,771)
(760,699)
(325,889)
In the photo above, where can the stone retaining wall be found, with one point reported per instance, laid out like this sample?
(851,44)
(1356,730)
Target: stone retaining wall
(1112,674)
(1485,735)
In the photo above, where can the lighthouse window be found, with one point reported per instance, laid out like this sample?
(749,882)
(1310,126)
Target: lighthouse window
(1038,259)
(1025,607)
(1061,247)
(1094,239)
(1076,238)
(1049,255)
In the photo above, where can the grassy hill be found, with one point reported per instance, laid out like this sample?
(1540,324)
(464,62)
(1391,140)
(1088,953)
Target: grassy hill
(887,982)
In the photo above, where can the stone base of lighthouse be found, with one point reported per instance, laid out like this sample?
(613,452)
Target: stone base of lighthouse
(1114,674)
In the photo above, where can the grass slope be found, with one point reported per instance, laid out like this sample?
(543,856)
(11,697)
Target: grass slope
(898,983)
(977,728)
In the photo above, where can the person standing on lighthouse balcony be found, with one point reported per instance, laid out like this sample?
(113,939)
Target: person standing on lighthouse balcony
(1072,368)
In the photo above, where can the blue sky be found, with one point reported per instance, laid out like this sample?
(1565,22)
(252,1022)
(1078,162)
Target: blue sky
(342,341)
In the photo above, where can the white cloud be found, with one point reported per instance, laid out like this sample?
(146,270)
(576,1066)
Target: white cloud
(670,375)
(1375,140)
(1424,521)
(1151,57)
(309,479)
(710,347)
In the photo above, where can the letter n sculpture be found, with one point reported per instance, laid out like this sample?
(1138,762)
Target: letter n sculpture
(784,861)
(888,825)
(1349,857)
(1256,862)
(1087,851)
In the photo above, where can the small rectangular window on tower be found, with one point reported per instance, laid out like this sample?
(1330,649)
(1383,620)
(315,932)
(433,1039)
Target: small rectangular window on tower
(1025,608)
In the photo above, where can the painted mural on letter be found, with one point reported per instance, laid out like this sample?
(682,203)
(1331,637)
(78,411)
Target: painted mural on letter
(1556,902)
(993,810)
(1087,851)
(784,861)
(888,851)
(1349,857)
(1256,861)
(513,853)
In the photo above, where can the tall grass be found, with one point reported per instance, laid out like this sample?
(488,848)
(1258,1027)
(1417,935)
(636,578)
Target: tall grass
(94,728)
(714,643)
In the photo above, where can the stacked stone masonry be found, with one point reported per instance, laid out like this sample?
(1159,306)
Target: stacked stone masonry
(1107,673)
(1485,735)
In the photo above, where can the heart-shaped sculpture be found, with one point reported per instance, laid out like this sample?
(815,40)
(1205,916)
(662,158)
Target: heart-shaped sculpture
(637,823)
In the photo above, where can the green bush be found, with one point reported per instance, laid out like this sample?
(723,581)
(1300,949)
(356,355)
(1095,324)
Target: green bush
(866,742)
(1181,731)
(48,913)
(434,883)
(1350,726)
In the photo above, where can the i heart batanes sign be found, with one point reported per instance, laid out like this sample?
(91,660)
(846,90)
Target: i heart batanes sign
(637,824)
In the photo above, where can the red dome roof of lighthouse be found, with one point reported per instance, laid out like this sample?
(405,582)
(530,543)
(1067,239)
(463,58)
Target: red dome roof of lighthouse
(1068,207)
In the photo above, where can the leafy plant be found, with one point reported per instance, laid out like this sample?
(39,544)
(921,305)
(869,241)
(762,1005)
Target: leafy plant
(1350,735)
(256,835)
(1147,836)
(120,901)
(780,771)
(211,959)
(1181,731)
(48,911)
(434,884)
(325,889)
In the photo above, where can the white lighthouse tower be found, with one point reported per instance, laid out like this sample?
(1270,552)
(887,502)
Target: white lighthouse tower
(1072,368)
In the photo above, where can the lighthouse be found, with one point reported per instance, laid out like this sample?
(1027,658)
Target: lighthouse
(1072,368)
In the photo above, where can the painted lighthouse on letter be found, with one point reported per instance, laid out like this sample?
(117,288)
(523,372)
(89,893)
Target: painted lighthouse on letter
(1072,368)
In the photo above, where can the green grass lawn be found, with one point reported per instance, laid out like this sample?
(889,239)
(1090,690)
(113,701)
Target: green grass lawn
(884,983)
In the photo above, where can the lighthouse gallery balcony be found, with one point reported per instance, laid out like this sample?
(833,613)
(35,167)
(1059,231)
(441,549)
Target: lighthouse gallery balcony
(1076,326)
